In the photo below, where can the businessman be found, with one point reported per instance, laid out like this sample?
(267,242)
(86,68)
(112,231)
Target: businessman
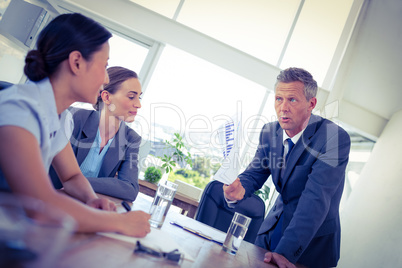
(307,157)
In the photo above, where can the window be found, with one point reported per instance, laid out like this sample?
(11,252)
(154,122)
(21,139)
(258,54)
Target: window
(360,152)
(264,28)
(125,53)
(316,36)
(12,61)
(194,97)
(257,27)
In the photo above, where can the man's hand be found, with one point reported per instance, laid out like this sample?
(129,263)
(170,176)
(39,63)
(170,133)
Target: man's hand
(102,203)
(279,260)
(235,191)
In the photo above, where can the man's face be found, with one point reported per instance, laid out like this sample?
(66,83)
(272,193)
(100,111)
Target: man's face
(292,108)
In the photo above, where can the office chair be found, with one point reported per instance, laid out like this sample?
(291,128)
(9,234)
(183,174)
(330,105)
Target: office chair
(213,210)
(4,85)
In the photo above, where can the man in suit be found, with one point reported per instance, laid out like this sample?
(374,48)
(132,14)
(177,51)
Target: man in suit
(303,226)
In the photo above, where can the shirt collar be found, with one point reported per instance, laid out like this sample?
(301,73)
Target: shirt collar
(295,137)
(98,141)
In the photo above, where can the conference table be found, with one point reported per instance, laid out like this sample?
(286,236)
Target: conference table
(105,250)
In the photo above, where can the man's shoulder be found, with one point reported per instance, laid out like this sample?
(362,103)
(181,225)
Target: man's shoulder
(321,123)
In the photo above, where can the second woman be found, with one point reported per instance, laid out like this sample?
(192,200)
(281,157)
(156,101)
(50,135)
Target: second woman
(105,147)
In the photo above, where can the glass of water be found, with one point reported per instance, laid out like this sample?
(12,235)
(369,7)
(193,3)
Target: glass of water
(236,233)
(160,205)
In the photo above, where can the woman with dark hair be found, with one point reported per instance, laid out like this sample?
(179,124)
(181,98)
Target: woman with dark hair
(103,144)
(68,65)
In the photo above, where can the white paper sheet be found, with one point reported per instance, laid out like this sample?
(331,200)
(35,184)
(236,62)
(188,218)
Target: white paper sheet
(228,172)
(157,239)
(229,135)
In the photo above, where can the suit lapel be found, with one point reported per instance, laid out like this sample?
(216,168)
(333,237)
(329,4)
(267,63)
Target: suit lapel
(277,157)
(88,134)
(301,145)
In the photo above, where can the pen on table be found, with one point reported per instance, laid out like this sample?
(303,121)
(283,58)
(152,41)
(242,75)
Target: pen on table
(196,233)
(126,206)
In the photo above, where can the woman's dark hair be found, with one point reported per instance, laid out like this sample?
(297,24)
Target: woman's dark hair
(117,76)
(64,34)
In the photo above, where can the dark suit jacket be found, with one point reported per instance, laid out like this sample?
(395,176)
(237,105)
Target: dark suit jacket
(310,190)
(121,157)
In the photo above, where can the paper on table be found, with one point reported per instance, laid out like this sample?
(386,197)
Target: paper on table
(157,239)
(229,135)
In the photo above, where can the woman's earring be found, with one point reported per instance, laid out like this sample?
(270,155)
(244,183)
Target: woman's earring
(111,107)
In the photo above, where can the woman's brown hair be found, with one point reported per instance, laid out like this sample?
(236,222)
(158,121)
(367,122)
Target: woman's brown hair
(117,76)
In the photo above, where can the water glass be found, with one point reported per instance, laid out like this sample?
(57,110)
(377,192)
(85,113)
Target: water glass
(160,206)
(236,233)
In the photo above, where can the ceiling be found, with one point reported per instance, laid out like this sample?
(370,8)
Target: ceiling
(369,74)
(366,89)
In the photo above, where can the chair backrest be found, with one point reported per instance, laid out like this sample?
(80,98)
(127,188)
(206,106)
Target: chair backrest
(4,84)
(189,190)
(214,211)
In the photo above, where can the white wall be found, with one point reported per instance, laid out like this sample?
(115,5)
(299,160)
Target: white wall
(372,219)
(370,80)
(369,75)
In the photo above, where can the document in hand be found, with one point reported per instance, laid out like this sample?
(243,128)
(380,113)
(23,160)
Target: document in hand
(230,137)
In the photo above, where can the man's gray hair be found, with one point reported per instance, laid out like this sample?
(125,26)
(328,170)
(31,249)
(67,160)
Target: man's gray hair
(298,74)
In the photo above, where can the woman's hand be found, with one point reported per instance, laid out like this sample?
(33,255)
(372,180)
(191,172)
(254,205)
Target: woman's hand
(102,203)
(135,223)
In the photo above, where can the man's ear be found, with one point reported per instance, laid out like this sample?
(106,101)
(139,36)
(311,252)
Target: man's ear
(313,103)
(76,61)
